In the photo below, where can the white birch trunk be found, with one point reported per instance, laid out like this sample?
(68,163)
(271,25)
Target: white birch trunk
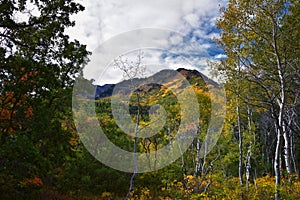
(240,145)
(281,103)
(248,167)
(287,157)
(197,165)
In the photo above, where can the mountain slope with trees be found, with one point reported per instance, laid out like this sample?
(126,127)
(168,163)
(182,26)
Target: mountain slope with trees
(257,155)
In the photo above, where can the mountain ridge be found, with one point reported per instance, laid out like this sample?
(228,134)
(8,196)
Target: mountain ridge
(106,90)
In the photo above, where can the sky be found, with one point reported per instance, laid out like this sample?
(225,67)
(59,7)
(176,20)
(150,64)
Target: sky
(168,33)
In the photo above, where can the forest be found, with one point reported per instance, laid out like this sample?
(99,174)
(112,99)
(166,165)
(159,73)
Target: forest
(44,132)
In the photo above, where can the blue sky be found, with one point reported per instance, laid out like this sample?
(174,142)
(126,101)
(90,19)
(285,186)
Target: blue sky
(191,24)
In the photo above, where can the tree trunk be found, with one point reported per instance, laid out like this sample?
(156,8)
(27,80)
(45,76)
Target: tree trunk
(287,157)
(248,167)
(203,170)
(136,131)
(248,159)
(292,119)
(240,144)
(197,165)
(277,165)
(281,104)
(198,156)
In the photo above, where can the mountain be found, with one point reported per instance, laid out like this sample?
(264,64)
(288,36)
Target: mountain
(104,90)
(194,77)
(189,74)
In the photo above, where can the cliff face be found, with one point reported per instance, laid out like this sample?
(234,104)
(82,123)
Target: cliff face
(190,74)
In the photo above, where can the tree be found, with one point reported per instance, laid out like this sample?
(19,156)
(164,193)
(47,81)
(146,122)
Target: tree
(131,71)
(37,58)
(38,66)
(256,38)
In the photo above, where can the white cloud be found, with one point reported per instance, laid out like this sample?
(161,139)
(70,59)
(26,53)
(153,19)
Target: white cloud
(220,56)
(175,40)
(192,19)
(104,20)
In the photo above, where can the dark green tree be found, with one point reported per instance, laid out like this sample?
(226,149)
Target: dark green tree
(38,66)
